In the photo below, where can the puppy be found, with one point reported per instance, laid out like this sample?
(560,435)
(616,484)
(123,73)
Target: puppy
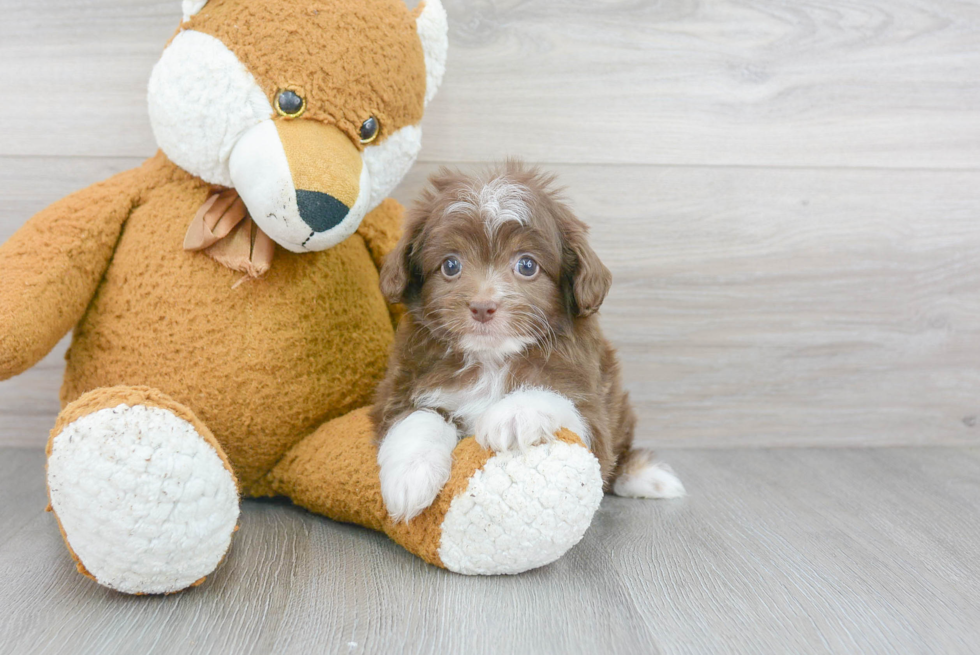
(500,339)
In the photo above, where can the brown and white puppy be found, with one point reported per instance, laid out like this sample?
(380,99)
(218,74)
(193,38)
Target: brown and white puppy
(500,339)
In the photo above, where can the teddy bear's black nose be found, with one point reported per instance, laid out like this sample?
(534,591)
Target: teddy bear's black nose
(321,211)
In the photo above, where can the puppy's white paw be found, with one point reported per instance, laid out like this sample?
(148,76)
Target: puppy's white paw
(416,458)
(528,417)
(644,477)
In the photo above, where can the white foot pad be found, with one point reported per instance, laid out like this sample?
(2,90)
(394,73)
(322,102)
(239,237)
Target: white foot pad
(522,511)
(146,503)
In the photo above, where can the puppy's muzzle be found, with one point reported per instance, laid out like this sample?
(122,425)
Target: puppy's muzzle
(326,170)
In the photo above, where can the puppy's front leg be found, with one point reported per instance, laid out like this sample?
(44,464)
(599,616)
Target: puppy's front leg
(527,417)
(416,458)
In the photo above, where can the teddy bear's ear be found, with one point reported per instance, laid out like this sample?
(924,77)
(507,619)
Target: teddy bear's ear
(433,29)
(191,7)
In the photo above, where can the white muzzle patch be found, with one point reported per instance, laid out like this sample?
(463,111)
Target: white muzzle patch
(260,173)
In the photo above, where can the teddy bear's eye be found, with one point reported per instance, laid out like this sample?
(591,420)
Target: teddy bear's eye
(451,267)
(289,104)
(369,130)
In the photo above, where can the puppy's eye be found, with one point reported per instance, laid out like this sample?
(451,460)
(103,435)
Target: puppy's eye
(451,267)
(289,104)
(526,267)
(369,130)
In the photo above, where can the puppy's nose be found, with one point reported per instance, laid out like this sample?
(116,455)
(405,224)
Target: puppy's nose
(483,311)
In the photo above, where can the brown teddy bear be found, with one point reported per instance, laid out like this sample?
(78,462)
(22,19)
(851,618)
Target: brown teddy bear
(228,327)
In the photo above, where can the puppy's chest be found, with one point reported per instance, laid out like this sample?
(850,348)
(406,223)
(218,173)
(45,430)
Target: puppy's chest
(468,402)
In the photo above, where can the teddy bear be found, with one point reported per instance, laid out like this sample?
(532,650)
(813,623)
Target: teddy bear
(228,329)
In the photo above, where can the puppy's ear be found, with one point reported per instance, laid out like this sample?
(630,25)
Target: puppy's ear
(585,278)
(443,178)
(399,271)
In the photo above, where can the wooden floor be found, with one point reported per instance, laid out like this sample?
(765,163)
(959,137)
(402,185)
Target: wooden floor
(774,551)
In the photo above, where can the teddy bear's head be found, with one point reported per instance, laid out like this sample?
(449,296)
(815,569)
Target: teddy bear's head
(310,109)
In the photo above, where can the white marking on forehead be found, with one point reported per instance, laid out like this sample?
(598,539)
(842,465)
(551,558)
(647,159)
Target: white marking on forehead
(497,202)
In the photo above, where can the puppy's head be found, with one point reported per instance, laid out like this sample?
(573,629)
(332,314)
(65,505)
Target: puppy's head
(491,264)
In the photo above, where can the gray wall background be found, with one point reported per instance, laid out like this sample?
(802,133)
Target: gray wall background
(788,194)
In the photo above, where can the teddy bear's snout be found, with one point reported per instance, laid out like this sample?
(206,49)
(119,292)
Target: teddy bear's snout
(325,168)
(303,181)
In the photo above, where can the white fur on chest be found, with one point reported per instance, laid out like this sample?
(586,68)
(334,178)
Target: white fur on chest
(468,403)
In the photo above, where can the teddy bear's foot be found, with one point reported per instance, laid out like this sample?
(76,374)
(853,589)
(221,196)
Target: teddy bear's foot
(522,510)
(498,513)
(144,497)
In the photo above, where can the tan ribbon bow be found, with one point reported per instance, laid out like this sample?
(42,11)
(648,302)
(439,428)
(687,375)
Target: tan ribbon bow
(223,229)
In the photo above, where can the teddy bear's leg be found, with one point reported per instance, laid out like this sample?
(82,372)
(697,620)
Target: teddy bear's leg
(499,512)
(144,496)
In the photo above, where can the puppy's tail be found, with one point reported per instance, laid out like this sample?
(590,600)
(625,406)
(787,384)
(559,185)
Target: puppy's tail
(640,475)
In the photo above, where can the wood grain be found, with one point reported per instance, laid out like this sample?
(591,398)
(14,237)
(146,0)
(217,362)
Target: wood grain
(750,306)
(777,281)
(884,83)
(775,551)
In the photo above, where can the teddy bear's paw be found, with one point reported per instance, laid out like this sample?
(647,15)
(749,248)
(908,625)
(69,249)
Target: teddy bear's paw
(522,510)
(145,503)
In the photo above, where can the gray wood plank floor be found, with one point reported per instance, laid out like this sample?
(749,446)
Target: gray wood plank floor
(774,551)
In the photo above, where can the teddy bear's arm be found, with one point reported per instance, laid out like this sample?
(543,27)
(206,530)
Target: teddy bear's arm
(380,230)
(51,267)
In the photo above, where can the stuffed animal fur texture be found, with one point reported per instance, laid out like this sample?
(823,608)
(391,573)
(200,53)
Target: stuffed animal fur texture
(197,373)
